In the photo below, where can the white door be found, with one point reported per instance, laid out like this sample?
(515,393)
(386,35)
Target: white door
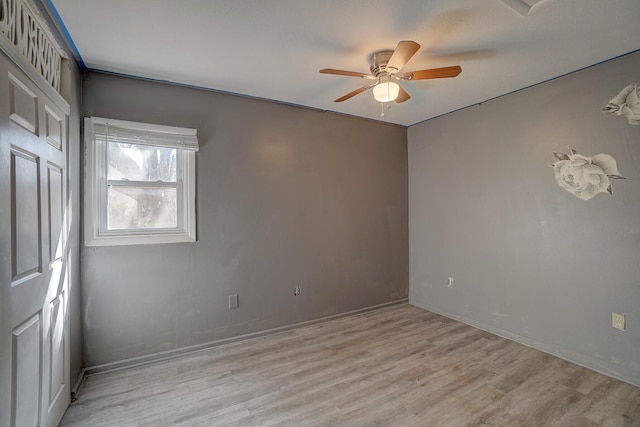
(34,337)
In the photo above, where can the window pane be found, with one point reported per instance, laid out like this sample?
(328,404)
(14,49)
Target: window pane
(135,162)
(142,207)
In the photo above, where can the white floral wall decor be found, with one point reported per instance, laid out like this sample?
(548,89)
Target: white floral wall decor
(626,103)
(583,176)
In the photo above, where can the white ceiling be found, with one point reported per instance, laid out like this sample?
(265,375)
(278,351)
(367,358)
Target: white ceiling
(273,49)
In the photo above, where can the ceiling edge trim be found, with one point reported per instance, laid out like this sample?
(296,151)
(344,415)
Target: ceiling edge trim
(528,87)
(64,32)
(223,92)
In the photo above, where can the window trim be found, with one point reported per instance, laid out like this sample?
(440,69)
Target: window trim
(95,182)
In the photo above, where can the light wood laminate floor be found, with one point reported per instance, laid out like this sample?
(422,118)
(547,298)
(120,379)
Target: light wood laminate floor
(397,366)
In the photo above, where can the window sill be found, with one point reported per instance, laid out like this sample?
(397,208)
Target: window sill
(138,239)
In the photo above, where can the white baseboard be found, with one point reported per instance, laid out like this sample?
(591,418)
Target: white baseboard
(564,354)
(171,354)
(77,384)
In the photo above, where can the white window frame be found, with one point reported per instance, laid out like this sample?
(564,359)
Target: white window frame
(96,131)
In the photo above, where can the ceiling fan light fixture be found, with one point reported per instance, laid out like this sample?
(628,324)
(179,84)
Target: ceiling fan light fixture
(386,91)
(385,66)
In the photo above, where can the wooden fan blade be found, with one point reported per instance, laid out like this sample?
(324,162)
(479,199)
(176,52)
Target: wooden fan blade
(403,53)
(433,73)
(402,96)
(354,93)
(345,73)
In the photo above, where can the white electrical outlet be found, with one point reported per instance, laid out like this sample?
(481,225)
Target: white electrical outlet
(450,282)
(233,302)
(617,321)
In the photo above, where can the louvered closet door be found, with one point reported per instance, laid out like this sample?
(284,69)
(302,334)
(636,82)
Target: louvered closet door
(34,338)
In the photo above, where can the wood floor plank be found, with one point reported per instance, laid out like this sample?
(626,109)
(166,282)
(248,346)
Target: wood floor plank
(397,366)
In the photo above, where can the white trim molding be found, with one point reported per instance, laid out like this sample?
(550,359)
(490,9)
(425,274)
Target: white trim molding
(97,135)
(29,42)
(22,26)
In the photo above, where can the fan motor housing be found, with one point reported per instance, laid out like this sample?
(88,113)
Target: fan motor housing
(379,61)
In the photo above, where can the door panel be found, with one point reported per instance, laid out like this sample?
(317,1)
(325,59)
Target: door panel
(26,372)
(25,218)
(53,128)
(34,368)
(23,104)
(55,190)
(57,357)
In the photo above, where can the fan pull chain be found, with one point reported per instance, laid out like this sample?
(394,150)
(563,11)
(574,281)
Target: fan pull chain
(382,105)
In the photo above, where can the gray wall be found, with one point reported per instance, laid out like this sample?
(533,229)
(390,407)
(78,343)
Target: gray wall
(286,197)
(530,261)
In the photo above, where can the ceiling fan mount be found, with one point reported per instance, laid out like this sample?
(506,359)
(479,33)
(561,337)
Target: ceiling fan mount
(379,61)
(385,66)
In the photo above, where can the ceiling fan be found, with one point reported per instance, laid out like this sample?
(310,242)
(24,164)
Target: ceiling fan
(385,65)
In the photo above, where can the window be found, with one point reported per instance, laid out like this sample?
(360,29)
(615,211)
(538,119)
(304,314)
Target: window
(139,183)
